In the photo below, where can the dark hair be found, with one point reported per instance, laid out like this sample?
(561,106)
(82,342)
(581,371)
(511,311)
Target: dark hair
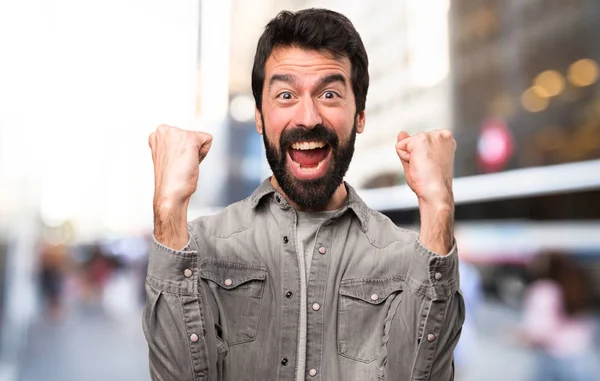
(316,29)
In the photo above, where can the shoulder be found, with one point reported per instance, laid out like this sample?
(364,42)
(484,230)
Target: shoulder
(382,231)
(233,219)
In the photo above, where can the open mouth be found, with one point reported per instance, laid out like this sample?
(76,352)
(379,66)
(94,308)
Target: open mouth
(309,159)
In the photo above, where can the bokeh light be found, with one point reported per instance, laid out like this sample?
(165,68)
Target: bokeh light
(583,72)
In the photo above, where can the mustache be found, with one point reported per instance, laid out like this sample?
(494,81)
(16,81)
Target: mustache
(300,134)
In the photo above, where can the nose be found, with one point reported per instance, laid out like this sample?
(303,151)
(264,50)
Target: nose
(307,114)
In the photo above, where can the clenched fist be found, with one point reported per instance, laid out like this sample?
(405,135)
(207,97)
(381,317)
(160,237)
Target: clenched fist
(176,154)
(428,158)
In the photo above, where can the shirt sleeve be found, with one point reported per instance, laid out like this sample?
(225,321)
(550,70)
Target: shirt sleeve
(436,273)
(435,312)
(173,316)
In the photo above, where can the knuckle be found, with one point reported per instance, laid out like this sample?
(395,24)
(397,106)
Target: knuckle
(446,133)
(422,137)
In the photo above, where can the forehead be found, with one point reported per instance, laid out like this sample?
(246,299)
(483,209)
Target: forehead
(306,64)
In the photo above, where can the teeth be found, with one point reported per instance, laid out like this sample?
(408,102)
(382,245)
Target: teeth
(303,146)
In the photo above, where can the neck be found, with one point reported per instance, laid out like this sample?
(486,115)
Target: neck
(336,201)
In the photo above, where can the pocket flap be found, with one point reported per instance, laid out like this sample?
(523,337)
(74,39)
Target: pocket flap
(373,291)
(230,275)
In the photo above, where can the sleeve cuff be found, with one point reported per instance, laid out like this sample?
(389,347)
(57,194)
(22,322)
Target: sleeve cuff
(174,271)
(442,271)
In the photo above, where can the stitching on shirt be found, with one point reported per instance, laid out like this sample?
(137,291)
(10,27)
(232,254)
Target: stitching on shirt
(161,284)
(373,280)
(442,319)
(423,316)
(233,265)
(187,334)
(231,209)
(384,246)
(394,305)
(178,254)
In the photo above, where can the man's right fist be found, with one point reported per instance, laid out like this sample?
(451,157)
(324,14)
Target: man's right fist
(176,154)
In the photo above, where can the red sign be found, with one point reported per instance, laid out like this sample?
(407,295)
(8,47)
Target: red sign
(495,145)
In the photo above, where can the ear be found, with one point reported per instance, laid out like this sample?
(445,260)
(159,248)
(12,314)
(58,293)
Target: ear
(258,121)
(361,119)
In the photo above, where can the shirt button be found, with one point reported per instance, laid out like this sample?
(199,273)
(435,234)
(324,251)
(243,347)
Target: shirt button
(322,250)
(194,338)
(430,337)
(374,297)
(312,372)
(316,306)
(438,276)
(289,294)
(187,273)
(278,199)
(284,361)
(285,239)
(228,282)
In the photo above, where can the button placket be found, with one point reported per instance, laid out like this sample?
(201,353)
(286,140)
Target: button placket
(317,295)
(431,329)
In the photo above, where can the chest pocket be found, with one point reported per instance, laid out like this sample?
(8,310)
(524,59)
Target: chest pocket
(365,309)
(238,291)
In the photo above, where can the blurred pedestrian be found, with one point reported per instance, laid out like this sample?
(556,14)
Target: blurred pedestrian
(558,320)
(98,270)
(51,278)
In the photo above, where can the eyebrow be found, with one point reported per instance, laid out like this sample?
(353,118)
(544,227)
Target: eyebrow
(331,78)
(286,78)
(292,80)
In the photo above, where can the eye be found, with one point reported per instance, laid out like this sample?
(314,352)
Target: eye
(330,95)
(285,95)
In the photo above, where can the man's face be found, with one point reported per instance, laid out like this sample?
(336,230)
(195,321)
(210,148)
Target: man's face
(309,123)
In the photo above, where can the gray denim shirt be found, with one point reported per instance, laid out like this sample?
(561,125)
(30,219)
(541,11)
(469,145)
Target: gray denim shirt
(380,305)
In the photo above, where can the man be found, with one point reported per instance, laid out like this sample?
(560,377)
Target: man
(301,280)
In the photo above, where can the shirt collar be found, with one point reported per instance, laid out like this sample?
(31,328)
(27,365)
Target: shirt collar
(353,202)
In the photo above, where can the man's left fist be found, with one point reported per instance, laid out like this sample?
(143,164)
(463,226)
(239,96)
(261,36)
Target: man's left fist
(428,158)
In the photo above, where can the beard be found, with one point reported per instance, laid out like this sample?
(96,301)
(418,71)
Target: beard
(315,193)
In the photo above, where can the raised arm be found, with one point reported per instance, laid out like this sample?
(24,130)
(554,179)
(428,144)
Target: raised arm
(427,158)
(176,154)
(176,319)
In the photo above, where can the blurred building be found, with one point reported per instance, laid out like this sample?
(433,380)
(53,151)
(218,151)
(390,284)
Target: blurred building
(524,83)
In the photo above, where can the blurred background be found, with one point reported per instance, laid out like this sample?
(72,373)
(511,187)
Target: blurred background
(82,85)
